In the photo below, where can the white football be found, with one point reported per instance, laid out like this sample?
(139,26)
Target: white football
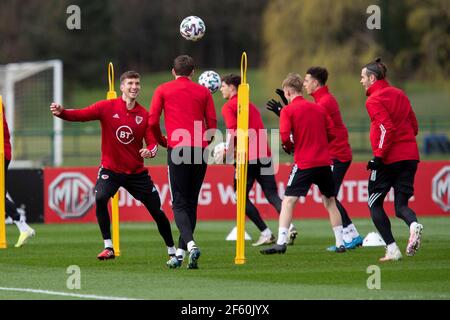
(219,152)
(210,80)
(192,28)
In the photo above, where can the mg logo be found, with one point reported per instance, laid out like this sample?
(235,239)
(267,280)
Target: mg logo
(71,195)
(441,188)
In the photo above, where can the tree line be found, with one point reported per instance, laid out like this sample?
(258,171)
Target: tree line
(278,35)
(135,34)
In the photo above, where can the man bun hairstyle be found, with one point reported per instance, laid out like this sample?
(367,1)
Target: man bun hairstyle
(232,79)
(377,68)
(319,73)
(129,75)
(183,65)
(293,81)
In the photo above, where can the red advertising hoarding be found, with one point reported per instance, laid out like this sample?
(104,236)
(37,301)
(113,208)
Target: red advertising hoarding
(69,195)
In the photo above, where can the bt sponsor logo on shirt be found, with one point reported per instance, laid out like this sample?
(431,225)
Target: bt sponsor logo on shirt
(124,134)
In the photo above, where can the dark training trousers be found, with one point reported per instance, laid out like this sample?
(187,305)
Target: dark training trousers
(399,175)
(141,187)
(11,209)
(187,169)
(256,172)
(339,171)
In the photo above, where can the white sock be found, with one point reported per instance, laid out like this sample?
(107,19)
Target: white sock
(347,235)
(291,226)
(282,236)
(338,234)
(190,245)
(180,253)
(391,247)
(412,226)
(353,232)
(171,250)
(108,243)
(22,226)
(266,232)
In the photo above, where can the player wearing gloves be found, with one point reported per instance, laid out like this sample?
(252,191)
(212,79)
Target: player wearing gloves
(393,132)
(312,131)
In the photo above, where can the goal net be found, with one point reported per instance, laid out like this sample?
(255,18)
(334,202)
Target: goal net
(28,89)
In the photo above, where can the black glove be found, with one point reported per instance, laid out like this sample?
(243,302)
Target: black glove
(282,96)
(374,164)
(274,106)
(288,148)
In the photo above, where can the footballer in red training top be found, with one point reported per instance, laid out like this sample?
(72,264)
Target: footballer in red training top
(312,131)
(340,151)
(260,166)
(189,114)
(393,132)
(124,124)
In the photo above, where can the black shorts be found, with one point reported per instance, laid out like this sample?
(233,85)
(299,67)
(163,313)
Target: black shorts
(339,170)
(399,175)
(301,180)
(257,170)
(139,185)
(263,173)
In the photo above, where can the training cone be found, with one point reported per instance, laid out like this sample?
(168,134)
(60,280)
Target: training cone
(373,239)
(232,236)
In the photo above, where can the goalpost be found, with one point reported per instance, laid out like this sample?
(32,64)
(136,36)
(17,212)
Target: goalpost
(28,88)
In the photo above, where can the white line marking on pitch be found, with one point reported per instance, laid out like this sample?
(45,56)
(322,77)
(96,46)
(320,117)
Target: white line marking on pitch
(56,293)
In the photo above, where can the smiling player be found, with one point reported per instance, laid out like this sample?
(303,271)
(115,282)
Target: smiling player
(124,127)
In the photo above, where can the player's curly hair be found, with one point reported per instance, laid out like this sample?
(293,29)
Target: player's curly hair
(318,73)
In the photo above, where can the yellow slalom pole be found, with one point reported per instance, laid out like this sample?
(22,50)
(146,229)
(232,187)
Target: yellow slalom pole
(111,94)
(2,181)
(242,160)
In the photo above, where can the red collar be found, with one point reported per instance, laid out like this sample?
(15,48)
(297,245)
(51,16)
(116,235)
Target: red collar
(319,93)
(298,99)
(183,78)
(124,104)
(377,85)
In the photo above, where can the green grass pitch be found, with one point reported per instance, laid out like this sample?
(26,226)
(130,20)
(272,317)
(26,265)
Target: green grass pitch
(306,271)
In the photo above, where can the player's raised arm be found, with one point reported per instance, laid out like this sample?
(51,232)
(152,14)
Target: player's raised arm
(56,109)
(93,112)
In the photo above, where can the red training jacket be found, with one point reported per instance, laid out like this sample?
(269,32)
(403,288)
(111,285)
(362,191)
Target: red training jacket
(339,148)
(312,130)
(188,112)
(6,136)
(393,128)
(258,148)
(122,133)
